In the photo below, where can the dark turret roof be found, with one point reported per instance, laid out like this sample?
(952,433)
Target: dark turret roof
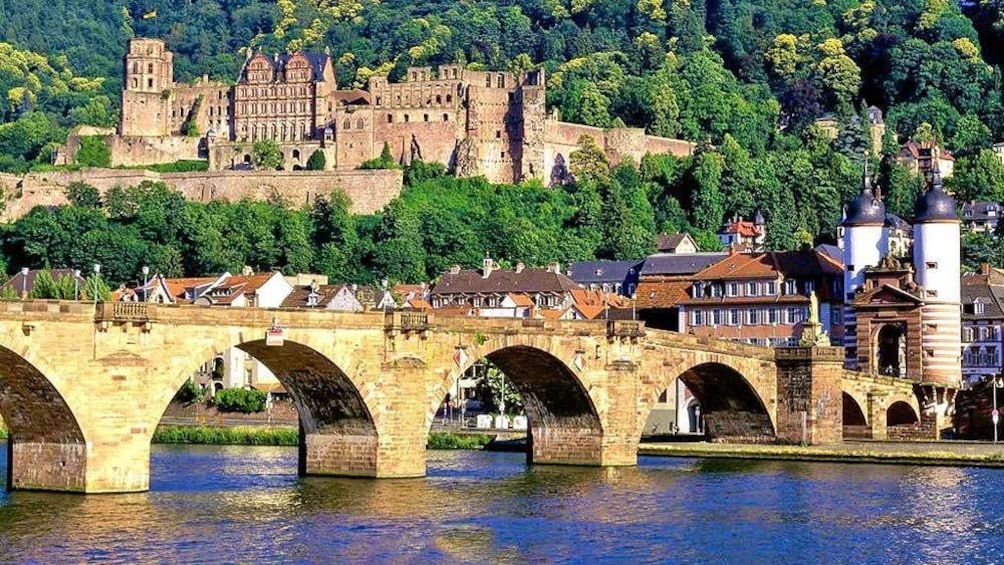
(935,205)
(867,208)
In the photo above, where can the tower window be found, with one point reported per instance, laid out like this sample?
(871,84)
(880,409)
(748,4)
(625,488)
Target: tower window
(149,83)
(149,68)
(932,293)
(931,265)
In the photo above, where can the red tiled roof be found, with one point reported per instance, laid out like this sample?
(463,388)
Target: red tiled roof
(661,294)
(743,228)
(521,300)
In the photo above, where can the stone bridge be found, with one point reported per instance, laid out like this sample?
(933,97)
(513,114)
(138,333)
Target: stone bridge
(83,386)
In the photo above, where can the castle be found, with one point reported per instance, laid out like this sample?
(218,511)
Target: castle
(477,123)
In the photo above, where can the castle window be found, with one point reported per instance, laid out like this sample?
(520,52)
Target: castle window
(406,118)
(498,134)
(488,81)
(503,155)
(390,118)
(377,100)
(296,154)
(439,99)
(449,98)
(149,83)
(446,117)
(931,265)
(347,124)
(360,124)
(414,75)
(149,68)
(425,117)
(135,82)
(135,67)
(501,81)
(932,293)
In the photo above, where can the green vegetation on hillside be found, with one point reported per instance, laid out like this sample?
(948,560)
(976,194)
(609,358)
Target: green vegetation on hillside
(745,79)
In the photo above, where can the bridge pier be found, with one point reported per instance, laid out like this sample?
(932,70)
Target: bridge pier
(46,466)
(810,395)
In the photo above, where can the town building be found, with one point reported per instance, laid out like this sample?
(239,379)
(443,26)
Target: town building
(747,236)
(663,284)
(619,277)
(676,243)
(982,320)
(921,157)
(902,318)
(477,123)
(763,298)
(495,292)
(981,217)
(337,297)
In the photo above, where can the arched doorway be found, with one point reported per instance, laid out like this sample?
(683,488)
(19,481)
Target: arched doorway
(891,350)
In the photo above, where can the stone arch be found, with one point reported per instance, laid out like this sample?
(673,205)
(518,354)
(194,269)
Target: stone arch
(901,413)
(732,395)
(564,425)
(855,419)
(46,446)
(338,434)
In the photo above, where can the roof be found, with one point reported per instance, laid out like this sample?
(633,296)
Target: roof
(986,287)
(232,287)
(503,281)
(742,228)
(279,61)
(351,97)
(298,298)
(669,241)
(895,222)
(521,300)
(935,206)
(831,251)
(586,272)
(661,294)
(865,209)
(177,287)
(678,264)
(976,210)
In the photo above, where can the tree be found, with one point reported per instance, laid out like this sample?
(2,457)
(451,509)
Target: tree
(709,205)
(83,195)
(316,162)
(588,162)
(94,152)
(266,154)
(978,177)
(95,286)
(46,287)
(494,390)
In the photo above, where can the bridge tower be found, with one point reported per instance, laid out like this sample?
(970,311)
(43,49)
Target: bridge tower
(865,242)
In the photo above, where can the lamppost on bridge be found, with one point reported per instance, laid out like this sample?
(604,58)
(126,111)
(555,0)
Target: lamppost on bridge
(995,415)
(24,283)
(76,284)
(97,273)
(146,283)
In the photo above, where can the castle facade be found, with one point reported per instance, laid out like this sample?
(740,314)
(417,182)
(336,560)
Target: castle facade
(492,124)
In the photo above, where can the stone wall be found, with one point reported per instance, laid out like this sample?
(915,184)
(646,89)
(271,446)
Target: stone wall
(369,191)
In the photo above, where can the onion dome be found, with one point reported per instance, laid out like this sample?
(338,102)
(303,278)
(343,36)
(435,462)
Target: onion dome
(935,205)
(867,208)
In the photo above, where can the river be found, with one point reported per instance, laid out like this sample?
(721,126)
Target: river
(246,504)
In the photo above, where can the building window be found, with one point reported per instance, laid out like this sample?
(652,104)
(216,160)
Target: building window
(770,288)
(407,118)
(734,317)
(446,117)
(716,317)
(789,287)
(751,289)
(753,317)
(850,268)
(932,293)
(697,317)
(732,289)
(794,315)
(425,117)
(979,307)
(931,265)
(773,316)
(390,118)
(149,83)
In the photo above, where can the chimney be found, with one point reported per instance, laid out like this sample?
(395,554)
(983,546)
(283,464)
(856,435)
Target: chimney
(985,269)
(487,266)
(554,268)
(455,270)
(519,267)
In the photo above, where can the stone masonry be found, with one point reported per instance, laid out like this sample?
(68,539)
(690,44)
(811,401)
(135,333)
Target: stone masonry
(82,388)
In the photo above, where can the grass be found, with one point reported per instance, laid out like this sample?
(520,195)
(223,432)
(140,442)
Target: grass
(287,436)
(850,453)
(445,440)
(239,435)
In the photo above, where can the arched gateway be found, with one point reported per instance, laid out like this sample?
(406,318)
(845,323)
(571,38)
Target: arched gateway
(84,387)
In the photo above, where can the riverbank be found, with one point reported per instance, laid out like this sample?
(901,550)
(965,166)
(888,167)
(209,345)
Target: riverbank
(289,436)
(966,454)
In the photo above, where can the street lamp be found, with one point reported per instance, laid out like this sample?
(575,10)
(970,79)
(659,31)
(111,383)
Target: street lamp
(995,415)
(97,273)
(24,283)
(146,282)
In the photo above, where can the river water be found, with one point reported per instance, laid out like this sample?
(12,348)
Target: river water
(246,505)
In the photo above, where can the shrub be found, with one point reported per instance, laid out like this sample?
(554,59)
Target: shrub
(384,161)
(243,400)
(189,392)
(94,152)
(83,195)
(316,161)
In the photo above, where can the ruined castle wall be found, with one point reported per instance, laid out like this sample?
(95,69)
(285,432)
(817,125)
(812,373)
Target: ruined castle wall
(493,128)
(128,151)
(295,154)
(663,145)
(369,191)
(435,140)
(213,112)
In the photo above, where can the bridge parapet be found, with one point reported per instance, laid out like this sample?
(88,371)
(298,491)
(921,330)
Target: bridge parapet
(408,322)
(678,340)
(625,328)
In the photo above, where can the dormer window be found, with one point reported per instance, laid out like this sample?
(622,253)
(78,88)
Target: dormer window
(312,299)
(979,307)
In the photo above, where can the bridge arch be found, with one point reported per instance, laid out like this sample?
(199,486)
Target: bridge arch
(563,423)
(901,413)
(46,446)
(338,434)
(736,393)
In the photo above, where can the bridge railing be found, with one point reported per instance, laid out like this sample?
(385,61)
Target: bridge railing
(408,321)
(625,328)
(125,312)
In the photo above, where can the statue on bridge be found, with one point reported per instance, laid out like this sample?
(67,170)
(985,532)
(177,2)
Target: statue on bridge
(813,334)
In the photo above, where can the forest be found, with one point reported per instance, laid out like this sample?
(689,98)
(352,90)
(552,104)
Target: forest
(745,79)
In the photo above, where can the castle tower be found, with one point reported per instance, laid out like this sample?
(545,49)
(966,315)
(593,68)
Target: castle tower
(937,262)
(864,243)
(149,77)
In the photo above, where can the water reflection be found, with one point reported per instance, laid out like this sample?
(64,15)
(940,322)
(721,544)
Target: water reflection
(212,504)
